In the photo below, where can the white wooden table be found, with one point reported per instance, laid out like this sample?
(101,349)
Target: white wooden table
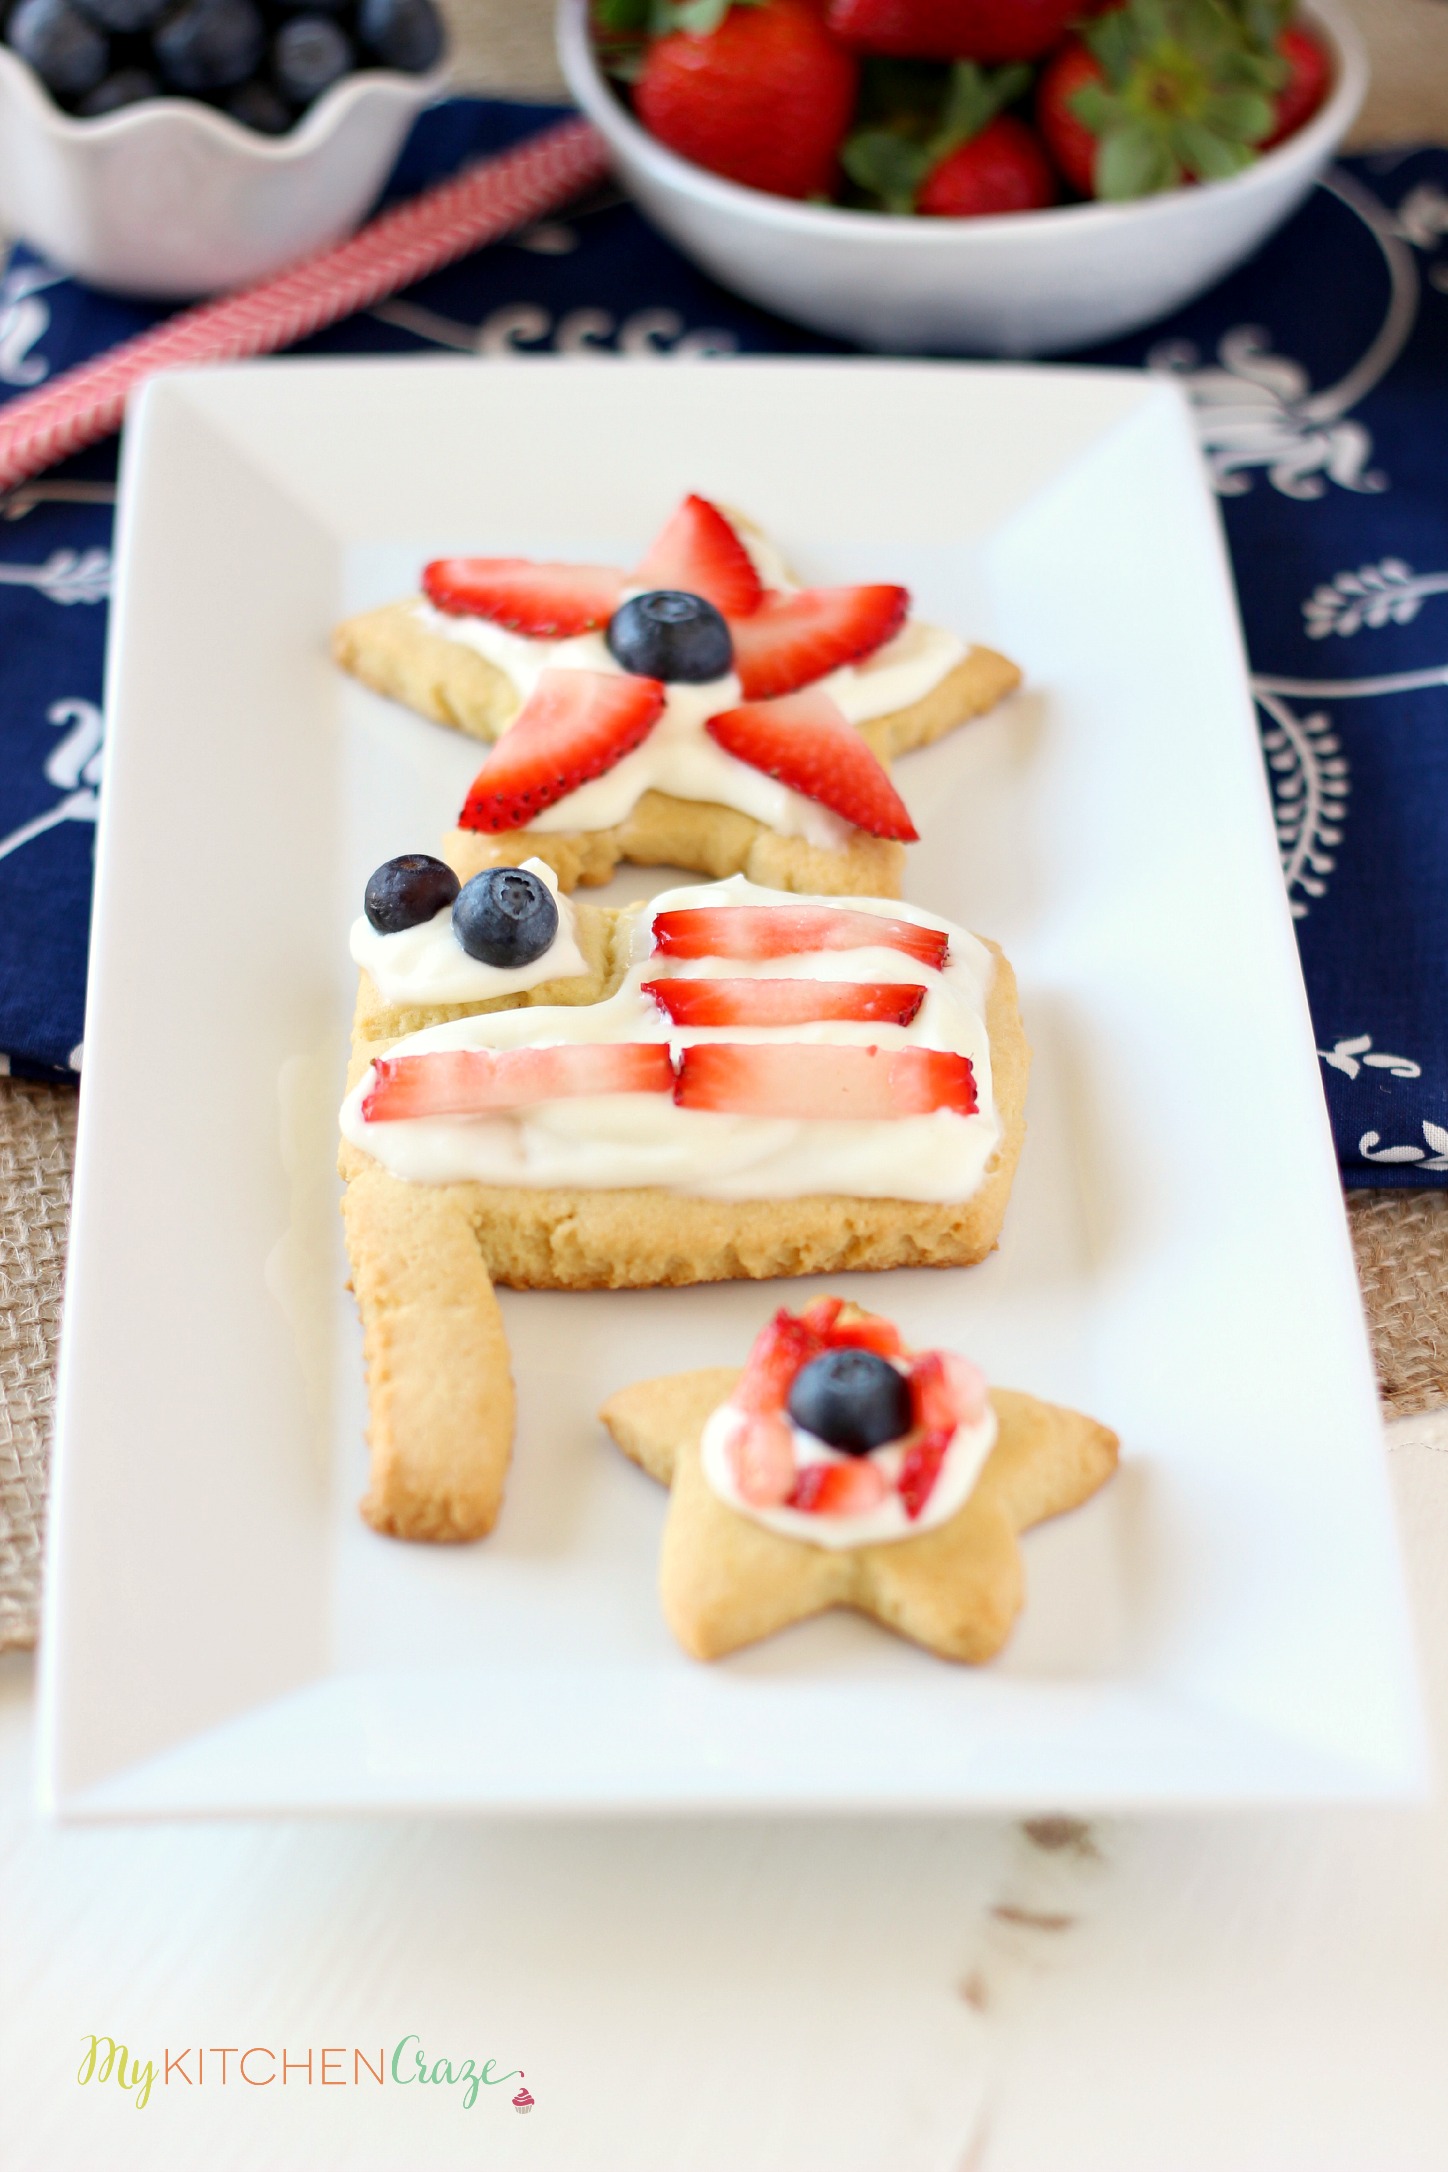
(1261,1993)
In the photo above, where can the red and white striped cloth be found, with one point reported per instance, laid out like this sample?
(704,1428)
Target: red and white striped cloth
(486,201)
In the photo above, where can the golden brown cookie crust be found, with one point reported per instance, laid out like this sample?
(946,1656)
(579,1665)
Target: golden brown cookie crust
(726,1581)
(661,831)
(647,1239)
(391,651)
(439,1388)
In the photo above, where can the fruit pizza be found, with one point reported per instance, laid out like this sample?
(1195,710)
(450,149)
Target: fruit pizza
(724,1082)
(840,1468)
(703,711)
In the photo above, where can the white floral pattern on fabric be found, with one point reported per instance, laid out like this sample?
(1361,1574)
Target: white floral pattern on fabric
(1433,1156)
(1309,776)
(65,577)
(73,767)
(525,328)
(1257,410)
(24,322)
(1352,1055)
(1389,593)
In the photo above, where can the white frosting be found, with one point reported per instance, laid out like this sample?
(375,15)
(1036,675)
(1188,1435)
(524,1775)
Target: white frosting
(428,965)
(963,1462)
(679,757)
(616,1141)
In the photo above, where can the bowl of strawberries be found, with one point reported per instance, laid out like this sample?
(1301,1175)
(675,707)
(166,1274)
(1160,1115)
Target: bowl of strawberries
(984,176)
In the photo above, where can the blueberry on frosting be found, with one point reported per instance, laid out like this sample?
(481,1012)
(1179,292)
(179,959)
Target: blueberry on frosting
(851,1399)
(669,634)
(505,917)
(404,892)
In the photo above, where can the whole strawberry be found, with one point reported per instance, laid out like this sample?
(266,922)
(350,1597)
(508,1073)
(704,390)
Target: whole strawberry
(963,157)
(1002,169)
(764,97)
(953,29)
(1168,90)
(1309,72)
(1070,141)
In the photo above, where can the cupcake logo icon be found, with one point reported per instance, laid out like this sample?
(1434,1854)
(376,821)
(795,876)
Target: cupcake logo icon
(523,2101)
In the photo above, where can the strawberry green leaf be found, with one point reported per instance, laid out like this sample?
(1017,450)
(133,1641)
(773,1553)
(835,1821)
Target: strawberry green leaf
(698,17)
(1262,21)
(887,165)
(973,98)
(1133,160)
(1241,114)
(623,18)
(1206,156)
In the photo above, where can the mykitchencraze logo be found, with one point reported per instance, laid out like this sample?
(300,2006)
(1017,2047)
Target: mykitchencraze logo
(259,2066)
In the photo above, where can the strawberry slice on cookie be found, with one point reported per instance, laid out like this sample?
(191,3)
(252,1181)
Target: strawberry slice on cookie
(804,742)
(822,1081)
(799,635)
(788,931)
(700,552)
(546,602)
(784,1002)
(576,726)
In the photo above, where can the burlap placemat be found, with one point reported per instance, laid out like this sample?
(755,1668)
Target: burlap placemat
(1401,1240)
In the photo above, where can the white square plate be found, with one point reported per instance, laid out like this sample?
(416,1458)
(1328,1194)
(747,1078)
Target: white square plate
(1224,1623)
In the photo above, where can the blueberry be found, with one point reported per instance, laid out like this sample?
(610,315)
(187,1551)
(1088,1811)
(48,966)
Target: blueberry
(308,55)
(505,916)
(403,34)
(852,1399)
(256,105)
(669,634)
(127,87)
(69,54)
(125,17)
(210,45)
(402,893)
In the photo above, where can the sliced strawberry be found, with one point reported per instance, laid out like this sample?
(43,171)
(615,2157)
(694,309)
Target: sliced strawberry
(798,636)
(575,725)
(546,601)
(778,1351)
(803,740)
(855,1330)
(919,1469)
(761,1457)
(823,1080)
(946,1391)
(784,1002)
(790,931)
(821,1315)
(839,1489)
(700,552)
(478,1081)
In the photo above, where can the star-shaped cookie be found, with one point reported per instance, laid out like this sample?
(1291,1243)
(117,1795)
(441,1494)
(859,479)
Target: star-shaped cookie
(726,1581)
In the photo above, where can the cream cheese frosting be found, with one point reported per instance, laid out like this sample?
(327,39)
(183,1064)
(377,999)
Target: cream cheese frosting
(622,1141)
(427,965)
(963,1462)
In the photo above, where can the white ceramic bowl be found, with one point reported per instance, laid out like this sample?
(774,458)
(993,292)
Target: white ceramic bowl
(171,199)
(1029,284)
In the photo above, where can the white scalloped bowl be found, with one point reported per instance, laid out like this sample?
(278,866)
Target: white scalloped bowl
(1031,284)
(172,199)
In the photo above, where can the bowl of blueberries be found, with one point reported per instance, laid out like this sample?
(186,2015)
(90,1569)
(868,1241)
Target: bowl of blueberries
(175,148)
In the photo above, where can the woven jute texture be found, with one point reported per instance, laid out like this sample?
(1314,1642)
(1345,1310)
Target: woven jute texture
(37,1149)
(1401,1240)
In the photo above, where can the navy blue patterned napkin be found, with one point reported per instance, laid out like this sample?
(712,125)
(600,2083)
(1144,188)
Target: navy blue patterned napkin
(1319,376)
